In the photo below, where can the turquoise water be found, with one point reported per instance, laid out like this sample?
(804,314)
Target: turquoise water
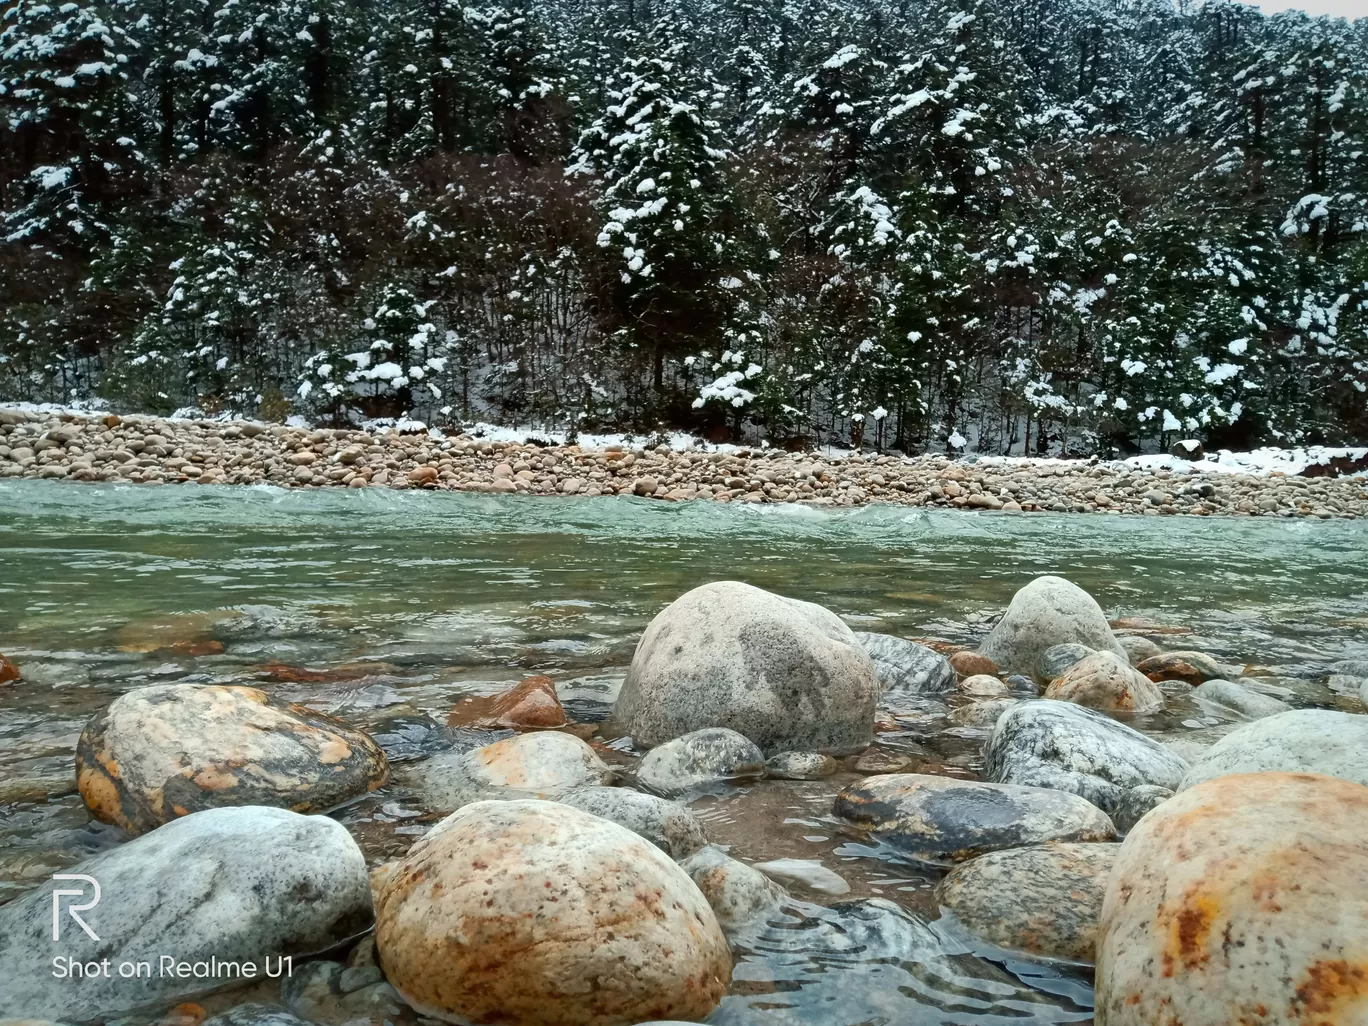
(397,603)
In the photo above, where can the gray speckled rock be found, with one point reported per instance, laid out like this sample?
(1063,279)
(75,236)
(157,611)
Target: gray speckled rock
(944,820)
(163,751)
(800,766)
(1061,745)
(1237,698)
(329,992)
(540,764)
(1240,901)
(736,892)
(238,884)
(982,714)
(256,1015)
(668,825)
(1058,658)
(1044,900)
(701,758)
(1135,802)
(1300,741)
(1047,612)
(1138,648)
(1107,682)
(787,674)
(907,666)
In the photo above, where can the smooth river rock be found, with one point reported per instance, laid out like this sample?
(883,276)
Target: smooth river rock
(542,764)
(531,912)
(737,893)
(800,766)
(1046,743)
(942,819)
(1136,802)
(164,751)
(255,1015)
(1138,648)
(668,825)
(1044,900)
(236,884)
(8,671)
(1191,667)
(1107,682)
(1232,697)
(1241,900)
(701,758)
(1299,741)
(907,666)
(787,674)
(1047,612)
(1058,658)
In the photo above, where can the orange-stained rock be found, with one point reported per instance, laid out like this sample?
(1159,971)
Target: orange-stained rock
(1192,667)
(288,674)
(1241,900)
(8,671)
(423,475)
(165,751)
(531,912)
(1107,682)
(177,632)
(971,664)
(530,705)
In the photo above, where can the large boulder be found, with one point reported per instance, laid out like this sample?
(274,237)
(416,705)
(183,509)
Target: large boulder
(236,885)
(1046,743)
(164,751)
(907,666)
(943,820)
(1240,900)
(1047,612)
(786,674)
(701,758)
(531,912)
(1044,900)
(1300,741)
(1107,682)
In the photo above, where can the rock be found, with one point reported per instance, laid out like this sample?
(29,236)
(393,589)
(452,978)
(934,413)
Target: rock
(982,685)
(1066,746)
(236,884)
(1138,648)
(947,820)
(971,664)
(534,912)
(668,825)
(982,714)
(1106,681)
(1238,699)
(1240,900)
(1192,667)
(8,671)
(1058,658)
(1299,741)
(1363,693)
(1135,802)
(530,705)
(543,764)
(698,759)
(332,994)
(737,892)
(1047,612)
(906,666)
(1188,449)
(877,760)
(800,766)
(163,751)
(1044,900)
(810,873)
(789,675)
(1022,686)
(256,1015)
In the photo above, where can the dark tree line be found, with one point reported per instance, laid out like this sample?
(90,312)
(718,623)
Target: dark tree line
(1012,224)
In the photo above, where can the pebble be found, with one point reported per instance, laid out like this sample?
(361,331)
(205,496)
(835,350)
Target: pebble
(983,685)
(800,766)
(154,450)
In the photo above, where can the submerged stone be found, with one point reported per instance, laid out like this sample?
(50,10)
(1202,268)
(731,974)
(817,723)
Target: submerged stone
(1236,698)
(947,820)
(1191,667)
(800,766)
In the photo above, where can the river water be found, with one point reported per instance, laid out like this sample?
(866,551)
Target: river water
(385,607)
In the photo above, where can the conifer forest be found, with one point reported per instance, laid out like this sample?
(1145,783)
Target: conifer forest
(1010,226)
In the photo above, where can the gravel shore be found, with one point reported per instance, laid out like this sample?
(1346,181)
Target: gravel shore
(152,450)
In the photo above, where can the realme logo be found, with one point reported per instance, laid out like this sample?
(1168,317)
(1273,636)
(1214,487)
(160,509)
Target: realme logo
(74,910)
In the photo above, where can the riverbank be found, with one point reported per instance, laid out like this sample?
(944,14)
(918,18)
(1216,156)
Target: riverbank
(151,450)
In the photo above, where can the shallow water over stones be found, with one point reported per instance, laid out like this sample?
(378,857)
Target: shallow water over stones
(386,609)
